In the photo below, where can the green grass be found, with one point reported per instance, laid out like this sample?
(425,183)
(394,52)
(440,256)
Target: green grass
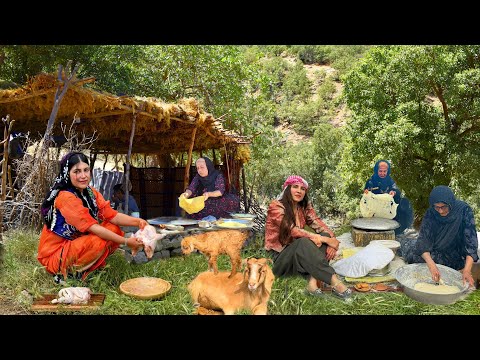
(21,271)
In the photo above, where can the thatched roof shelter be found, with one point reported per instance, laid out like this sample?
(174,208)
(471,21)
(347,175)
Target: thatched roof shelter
(161,128)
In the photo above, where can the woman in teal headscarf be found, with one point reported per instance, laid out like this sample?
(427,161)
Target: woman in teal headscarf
(381,183)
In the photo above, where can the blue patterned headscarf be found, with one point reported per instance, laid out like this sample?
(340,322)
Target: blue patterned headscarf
(63,182)
(385,182)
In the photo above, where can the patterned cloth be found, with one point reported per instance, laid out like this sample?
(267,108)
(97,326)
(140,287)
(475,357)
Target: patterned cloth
(295,179)
(448,239)
(63,182)
(221,206)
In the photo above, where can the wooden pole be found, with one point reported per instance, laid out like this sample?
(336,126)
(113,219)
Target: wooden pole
(228,169)
(129,155)
(246,206)
(186,177)
(58,100)
(105,163)
(6,136)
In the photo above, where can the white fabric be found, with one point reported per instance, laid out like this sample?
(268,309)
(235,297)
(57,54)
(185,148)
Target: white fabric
(372,257)
(378,205)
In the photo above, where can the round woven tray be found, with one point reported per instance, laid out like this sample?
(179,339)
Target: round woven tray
(145,288)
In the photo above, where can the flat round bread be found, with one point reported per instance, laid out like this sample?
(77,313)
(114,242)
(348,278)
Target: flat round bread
(362,287)
(145,288)
(231,225)
(380,287)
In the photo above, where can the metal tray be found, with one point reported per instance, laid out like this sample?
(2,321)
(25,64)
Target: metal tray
(243,216)
(375,223)
(183,222)
(162,220)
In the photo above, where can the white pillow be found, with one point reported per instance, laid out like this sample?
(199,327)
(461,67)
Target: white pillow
(372,257)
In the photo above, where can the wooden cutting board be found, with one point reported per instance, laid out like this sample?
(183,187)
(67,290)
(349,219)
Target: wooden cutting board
(44,304)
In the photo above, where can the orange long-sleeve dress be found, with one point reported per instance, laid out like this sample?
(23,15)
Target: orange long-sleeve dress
(59,255)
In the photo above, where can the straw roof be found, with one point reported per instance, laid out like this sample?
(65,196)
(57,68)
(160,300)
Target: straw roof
(160,127)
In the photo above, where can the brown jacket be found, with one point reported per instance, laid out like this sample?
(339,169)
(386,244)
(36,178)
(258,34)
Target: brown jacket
(275,214)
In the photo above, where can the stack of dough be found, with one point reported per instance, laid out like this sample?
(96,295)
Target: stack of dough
(193,205)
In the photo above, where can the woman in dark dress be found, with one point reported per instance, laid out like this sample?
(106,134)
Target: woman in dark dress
(210,183)
(447,236)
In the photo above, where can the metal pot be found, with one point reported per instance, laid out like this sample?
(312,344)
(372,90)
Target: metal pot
(409,275)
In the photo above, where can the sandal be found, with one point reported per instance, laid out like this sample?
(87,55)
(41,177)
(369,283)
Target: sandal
(345,296)
(317,292)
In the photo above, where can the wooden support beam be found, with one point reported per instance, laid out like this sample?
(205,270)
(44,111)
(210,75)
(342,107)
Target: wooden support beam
(186,177)
(129,155)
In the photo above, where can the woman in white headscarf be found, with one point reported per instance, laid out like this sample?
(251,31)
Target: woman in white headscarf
(210,183)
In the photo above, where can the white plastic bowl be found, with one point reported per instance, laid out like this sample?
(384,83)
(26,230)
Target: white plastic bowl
(391,244)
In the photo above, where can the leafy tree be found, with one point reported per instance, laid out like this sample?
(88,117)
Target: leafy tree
(418,106)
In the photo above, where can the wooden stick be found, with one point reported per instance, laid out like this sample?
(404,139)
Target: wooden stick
(228,168)
(186,177)
(129,155)
(58,100)
(246,206)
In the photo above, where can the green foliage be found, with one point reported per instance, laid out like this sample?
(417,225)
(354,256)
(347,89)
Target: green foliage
(416,106)
(296,84)
(311,54)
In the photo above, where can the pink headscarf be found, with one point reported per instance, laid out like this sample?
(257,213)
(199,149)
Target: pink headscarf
(295,179)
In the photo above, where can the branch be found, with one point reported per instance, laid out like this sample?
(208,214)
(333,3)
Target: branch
(439,93)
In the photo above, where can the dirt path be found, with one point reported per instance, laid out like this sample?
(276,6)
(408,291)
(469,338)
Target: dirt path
(8,307)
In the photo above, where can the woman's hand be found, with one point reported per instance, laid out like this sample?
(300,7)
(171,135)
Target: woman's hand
(330,253)
(206,195)
(434,271)
(467,277)
(365,191)
(134,243)
(392,193)
(142,223)
(186,194)
(332,242)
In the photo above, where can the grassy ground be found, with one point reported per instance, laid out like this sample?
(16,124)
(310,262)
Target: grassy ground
(22,277)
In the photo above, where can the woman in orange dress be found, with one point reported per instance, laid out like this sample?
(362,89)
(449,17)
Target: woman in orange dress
(81,229)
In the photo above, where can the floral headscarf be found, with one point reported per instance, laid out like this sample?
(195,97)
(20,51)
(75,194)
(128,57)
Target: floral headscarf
(63,182)
(295,179)
(292,179)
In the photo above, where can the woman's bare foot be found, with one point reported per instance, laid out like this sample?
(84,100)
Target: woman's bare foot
(312,284)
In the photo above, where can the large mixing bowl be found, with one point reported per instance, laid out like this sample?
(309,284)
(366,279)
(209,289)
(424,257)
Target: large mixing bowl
(409,275)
